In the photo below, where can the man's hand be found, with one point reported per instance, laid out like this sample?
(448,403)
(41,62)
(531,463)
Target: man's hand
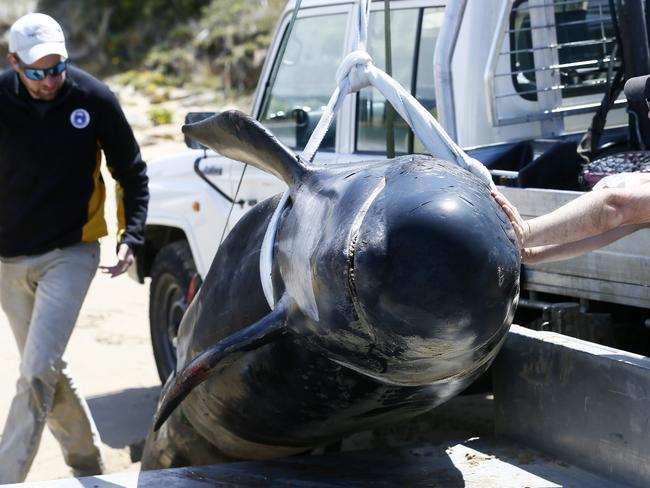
(124,260)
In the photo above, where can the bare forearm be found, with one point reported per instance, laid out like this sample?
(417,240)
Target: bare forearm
(583,224)
(588,215)
(559,252)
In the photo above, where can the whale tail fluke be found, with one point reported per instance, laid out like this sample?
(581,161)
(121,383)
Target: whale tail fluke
(219,357)
(238,136)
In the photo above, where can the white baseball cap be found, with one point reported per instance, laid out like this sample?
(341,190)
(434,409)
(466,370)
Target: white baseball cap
(34,36)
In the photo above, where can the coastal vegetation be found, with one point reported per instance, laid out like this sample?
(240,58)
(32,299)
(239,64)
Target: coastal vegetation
(219,44)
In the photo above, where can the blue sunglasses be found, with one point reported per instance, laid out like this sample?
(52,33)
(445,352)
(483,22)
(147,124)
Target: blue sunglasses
(40,74)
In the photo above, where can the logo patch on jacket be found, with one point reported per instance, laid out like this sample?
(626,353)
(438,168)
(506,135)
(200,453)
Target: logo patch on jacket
(80,118)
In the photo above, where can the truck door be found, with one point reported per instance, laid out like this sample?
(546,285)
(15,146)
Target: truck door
(414,34)
(299,85)
(293,91)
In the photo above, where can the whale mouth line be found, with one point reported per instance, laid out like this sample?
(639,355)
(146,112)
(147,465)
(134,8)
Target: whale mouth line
(354,295)
(391,380)
(355,231)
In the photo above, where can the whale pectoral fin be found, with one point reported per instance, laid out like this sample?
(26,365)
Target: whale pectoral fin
(239,136)
(220,356)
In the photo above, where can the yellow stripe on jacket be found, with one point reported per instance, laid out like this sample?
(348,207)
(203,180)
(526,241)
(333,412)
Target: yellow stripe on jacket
(96,227)
(121,215)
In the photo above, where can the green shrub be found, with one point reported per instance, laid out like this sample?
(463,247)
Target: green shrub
(160,116)
(170,42)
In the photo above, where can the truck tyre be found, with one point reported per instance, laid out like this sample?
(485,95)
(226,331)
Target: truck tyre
(172,274)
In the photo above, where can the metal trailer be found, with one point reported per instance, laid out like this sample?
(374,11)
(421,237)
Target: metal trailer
(567,413)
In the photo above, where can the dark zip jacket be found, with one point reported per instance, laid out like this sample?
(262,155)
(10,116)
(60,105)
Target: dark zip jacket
(51,190)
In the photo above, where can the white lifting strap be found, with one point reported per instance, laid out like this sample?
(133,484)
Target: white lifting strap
(357,71)
(266,252)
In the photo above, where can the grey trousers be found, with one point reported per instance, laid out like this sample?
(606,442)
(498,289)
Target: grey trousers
(41,296)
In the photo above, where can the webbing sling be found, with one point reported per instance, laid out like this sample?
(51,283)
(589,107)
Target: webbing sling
(355,72)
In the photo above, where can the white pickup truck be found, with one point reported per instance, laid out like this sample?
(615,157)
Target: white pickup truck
(515,83)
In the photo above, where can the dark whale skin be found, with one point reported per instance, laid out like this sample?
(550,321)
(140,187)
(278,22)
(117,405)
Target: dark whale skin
(396,283)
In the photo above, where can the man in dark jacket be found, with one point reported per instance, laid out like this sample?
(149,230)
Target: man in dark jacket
(55,121)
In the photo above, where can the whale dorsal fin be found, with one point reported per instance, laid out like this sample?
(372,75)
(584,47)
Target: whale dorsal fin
(238,136)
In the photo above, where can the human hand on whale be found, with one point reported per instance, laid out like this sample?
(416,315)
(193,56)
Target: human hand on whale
(591,221)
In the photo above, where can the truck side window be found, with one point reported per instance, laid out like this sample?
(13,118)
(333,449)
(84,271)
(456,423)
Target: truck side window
(305,81)
(432,20)
(585,41)
(410,29)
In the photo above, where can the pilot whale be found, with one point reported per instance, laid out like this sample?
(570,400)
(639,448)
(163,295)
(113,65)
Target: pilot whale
(394,284)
